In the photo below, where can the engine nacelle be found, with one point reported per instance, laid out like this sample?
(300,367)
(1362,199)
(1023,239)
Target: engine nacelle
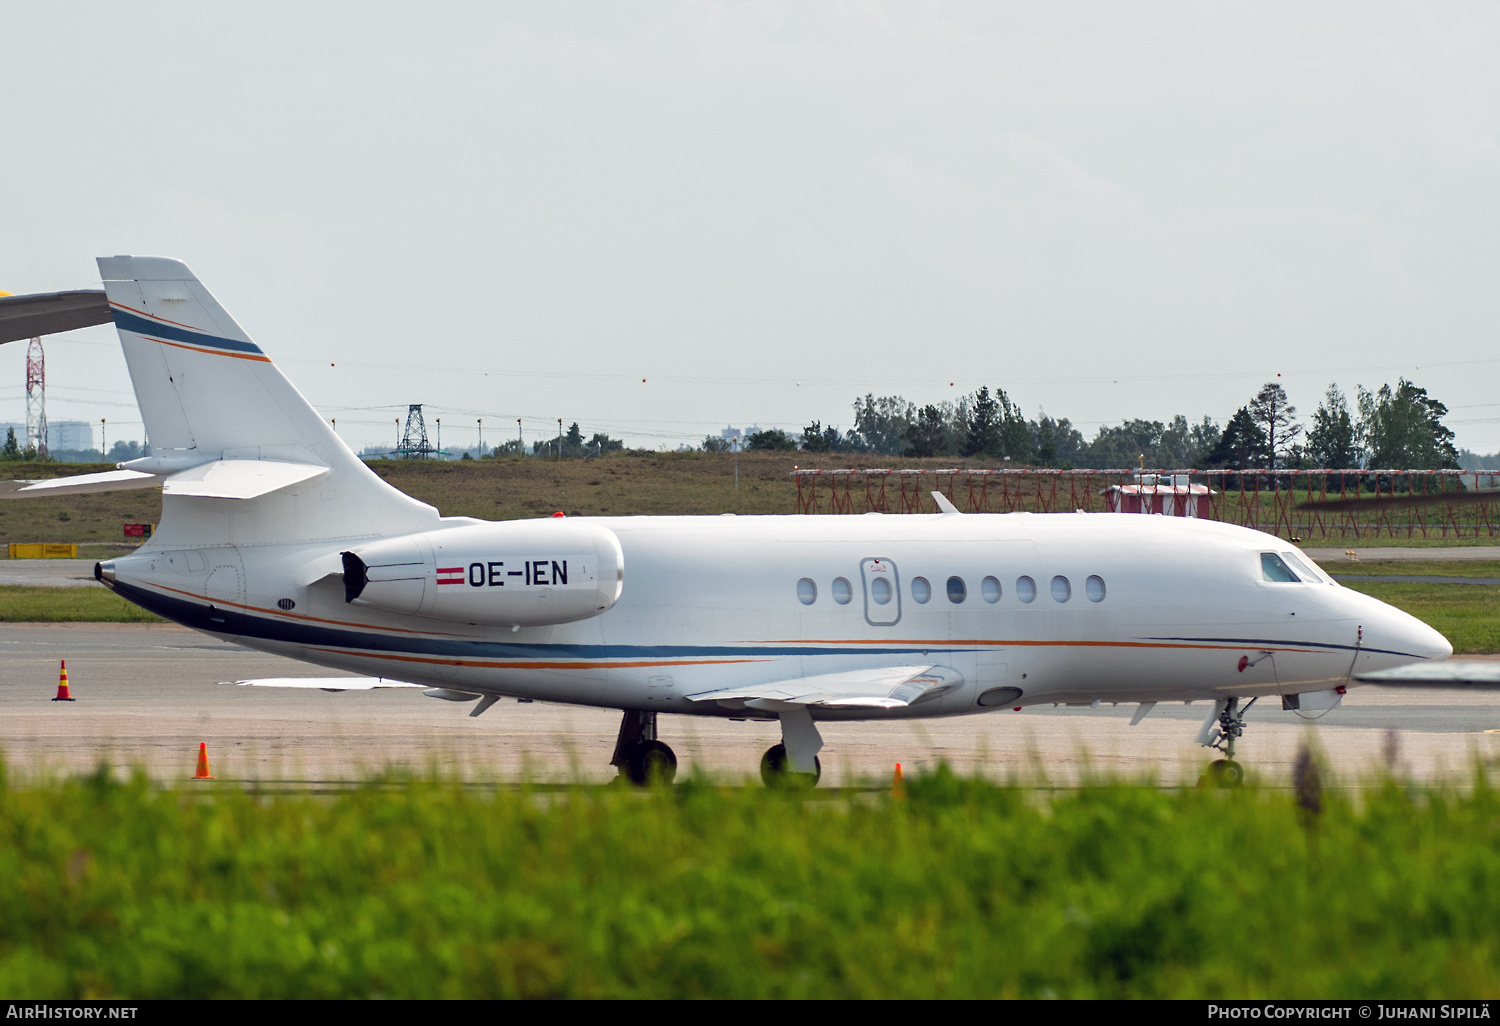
(520,573)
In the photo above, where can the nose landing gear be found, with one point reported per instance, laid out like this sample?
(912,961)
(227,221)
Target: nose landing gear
(1223,726)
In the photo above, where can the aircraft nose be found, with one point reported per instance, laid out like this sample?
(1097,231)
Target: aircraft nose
(1403,633)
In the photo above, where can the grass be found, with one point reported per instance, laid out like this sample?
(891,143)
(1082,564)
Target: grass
(21,604)
(1467,615)
(628,483)
(425,888)
(1416,567)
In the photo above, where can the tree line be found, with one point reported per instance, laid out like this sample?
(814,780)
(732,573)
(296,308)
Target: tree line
(1392,428)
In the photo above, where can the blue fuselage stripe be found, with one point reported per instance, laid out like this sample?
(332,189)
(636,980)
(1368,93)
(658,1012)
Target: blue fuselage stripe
(225,621)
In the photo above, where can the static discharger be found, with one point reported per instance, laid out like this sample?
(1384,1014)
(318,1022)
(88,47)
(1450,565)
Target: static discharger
(63,694)
(203,773)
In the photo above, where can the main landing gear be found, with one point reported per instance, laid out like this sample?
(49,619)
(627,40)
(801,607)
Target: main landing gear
(1225,724)
(642,759)
(639,756)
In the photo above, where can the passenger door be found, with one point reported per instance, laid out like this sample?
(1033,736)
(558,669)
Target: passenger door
(882,591)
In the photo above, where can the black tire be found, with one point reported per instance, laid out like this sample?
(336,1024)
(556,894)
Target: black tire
(651,762)
(1227,773)
(774,772)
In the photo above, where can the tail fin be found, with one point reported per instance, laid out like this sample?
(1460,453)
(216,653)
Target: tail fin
(207,392)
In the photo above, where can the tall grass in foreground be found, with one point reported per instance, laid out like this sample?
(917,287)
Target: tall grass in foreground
(426,888)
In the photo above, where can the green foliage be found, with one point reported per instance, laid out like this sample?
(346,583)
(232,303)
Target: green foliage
(423,889)
(11,449)
(1272,413)
(817,438)
(1333,442)
(1243,445)
(881,424)
(1153,443)
(931,433)
(770,440)
(1402,429)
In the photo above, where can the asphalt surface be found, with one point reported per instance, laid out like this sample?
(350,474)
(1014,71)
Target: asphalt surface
(1377,553)
(148,694)
(49,573)
(1413,579)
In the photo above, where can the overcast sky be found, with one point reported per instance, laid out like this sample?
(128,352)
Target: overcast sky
(765,209)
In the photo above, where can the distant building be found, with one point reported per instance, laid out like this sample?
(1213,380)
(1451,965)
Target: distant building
(70,434)
(61,434)
(730,433)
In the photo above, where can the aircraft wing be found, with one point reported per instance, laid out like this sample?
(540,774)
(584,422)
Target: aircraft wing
(888,687)
(1449,673)
(47,313)
(325,683)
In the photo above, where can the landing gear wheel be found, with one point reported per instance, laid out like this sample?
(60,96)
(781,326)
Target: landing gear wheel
(650,762)
(1226,773)
(774,771)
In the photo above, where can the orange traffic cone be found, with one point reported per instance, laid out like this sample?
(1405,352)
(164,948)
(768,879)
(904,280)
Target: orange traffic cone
(63,694)
(203,773)
(898,785)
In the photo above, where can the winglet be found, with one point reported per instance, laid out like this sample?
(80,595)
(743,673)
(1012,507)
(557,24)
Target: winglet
(945,504)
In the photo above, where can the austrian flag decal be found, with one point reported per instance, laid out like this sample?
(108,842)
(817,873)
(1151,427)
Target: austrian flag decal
(450,575)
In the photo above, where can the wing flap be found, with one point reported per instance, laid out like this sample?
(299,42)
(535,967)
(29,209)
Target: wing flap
(886,687)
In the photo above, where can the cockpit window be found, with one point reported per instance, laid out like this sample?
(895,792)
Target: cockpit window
(1273,569)
(1301,567)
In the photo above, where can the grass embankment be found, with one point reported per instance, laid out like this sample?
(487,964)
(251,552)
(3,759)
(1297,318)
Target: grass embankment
(1468,615)
(963,889)
(21,604)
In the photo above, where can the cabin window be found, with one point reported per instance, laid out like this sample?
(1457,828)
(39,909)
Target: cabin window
(920,589)
(957,591)
(1094,586)
(990,589)
(842,593)
(1061,589)
(807,591)
(1025,589)
(880,591)
(1273,569)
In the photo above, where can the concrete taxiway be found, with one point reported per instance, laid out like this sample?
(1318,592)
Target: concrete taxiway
(147,694)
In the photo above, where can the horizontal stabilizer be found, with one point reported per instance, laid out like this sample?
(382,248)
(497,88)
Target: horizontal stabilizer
(1449,673)
(890,687)
(79,484)
(239,479)
(325,683)
(47,313)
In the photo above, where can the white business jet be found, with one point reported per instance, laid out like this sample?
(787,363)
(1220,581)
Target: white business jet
(274,535)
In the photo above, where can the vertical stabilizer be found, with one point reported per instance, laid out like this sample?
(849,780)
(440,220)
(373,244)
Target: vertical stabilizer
(207,392)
